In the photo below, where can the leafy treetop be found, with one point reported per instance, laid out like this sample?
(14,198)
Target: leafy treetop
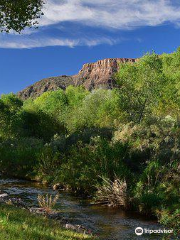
(16,15)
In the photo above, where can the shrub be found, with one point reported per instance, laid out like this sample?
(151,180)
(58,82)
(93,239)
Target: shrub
(114,194)
(171,220)
(47,201)
(18,156)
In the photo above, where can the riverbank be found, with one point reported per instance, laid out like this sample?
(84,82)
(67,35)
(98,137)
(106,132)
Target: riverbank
(72,211)
(168,219)
(20,224)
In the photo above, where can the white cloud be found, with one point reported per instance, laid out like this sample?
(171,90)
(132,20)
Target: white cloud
(15,42)
(120,14)
(113,15)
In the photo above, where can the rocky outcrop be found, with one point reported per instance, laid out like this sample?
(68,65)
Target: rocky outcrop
(100,74)
(93,75)
(47,84)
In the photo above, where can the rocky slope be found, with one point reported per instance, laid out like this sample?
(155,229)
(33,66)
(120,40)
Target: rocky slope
(93,75)
(47,84)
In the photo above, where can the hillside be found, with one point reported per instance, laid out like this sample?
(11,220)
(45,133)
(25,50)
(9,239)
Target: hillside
(91,76)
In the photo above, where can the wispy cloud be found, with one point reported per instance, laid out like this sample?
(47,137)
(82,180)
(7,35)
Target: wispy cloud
(17,42)
(119,14)
(89,18)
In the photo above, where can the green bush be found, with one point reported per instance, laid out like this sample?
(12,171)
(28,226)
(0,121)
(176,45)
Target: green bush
(171,220)
(18,157)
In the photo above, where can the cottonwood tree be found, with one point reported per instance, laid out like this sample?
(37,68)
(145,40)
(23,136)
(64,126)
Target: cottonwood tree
(18,14)
(145,89)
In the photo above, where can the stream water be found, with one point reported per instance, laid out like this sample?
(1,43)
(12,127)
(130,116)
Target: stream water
(107,223)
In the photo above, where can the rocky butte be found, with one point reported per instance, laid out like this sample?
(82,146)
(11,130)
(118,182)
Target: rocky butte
(92,76)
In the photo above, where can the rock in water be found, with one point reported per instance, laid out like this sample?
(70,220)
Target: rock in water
(3,195)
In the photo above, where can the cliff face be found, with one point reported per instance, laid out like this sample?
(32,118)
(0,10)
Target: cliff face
(99,74)
(93,75)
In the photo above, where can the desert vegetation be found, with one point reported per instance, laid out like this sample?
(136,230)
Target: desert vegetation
(121,146)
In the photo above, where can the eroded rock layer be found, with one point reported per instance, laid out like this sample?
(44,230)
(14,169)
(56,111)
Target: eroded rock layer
(93,75)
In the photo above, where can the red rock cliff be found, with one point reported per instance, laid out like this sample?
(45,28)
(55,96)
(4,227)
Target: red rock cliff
(93,75)
(100,73)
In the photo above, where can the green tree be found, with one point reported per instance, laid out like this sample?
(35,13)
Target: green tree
(76,95)
(145,89)
(38,124)
(18,14)
(99,109)
(12,102)
(10,122)
(53,102)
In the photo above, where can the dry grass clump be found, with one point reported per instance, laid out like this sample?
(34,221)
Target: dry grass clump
(112,193)
(47,201)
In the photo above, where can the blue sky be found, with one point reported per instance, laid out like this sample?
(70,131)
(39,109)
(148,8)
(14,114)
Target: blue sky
(74,32)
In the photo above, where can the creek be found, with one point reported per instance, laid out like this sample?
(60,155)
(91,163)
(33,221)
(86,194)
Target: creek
(105,222)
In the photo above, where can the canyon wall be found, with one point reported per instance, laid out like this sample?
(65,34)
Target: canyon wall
(92,76)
